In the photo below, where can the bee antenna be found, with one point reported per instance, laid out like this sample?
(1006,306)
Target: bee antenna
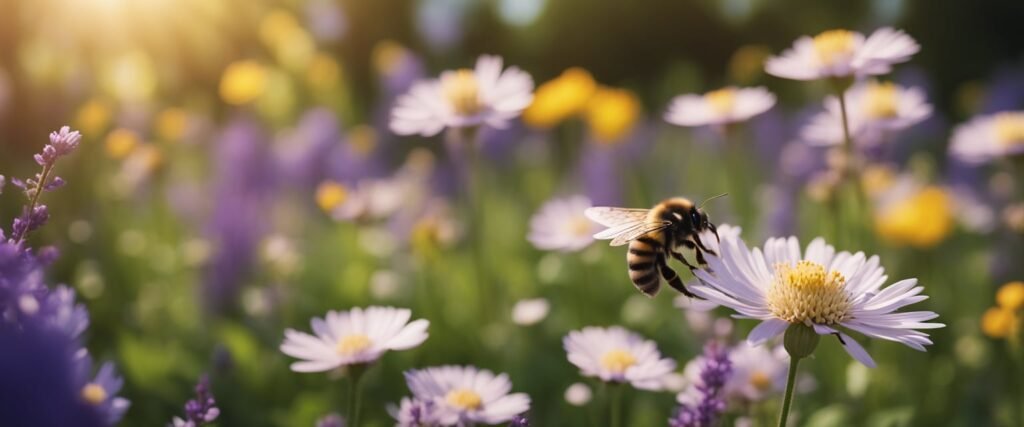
(710,199)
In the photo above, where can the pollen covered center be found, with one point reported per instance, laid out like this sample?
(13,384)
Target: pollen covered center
(464,399)
(353,344)
(721,101)
(1009,128)
(807,292)
(617,361)
(462,90)
(880,101)
(93,394)
(834,45)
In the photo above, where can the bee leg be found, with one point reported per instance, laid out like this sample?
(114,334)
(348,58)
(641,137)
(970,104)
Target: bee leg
(700,256)
(700,244)
(714,230)
(680,257)
(672,278)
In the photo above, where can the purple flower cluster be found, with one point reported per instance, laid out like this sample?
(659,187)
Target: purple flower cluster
(519,421)
(201,410)
(35,215)
(715,373)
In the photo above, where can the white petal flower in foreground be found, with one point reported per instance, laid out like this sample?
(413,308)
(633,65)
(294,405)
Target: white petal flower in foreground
(876,111)
(829,291)
(530,311)
(990,137)
(486,95)
(561,225)
(758,373)
(843,53)
(617,355)
(719,107)
(357,336)
(465,395)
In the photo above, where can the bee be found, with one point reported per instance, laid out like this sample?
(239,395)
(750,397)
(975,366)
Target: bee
(654,235)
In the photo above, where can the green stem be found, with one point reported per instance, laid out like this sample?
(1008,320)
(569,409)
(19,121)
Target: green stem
(790,385)
(616,405)
(849,173)
(355,393)
(43,176)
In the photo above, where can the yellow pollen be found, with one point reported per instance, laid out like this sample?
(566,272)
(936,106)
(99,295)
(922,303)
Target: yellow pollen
(807,292)
(1010,128)
(617,361)
(722,101)
(464,399)
(353,344)
(834,45)
(760,380)
(880,100)
(93,394)
(462,91)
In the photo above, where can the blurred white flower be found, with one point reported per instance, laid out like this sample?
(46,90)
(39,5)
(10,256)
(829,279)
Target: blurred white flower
(757,374)
(843,53)
(874,111)
(486,95)
(615,354)
(530,311)
(990,137)
(411,412)
(578,394)
(719,107)
(560,225)
(353,337)
(466,395)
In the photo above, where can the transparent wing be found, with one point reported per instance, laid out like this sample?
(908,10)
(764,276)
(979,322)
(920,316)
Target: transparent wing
(635,232)
(613,217)
(623,224)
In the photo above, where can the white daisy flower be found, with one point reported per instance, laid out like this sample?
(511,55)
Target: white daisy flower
(462,395)
(757,373)
(617,355)
(485,95)
(820,288)
(561,225)
(719,107)
(874,111)
(843,53)
(986,138)
(353,337)
(530,311)
(578,394)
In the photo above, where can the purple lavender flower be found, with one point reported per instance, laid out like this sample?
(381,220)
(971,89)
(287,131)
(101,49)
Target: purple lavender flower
(201,410)
(331,420)
(705,412)
(35,215)
(61,143)
(519,421)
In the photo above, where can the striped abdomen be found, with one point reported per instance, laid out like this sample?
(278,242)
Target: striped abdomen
(642,259)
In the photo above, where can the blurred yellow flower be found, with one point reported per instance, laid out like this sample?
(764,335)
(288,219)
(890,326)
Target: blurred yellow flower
(387,55)
(292,45)
(612,113)
(998,322)
(1011,296)
(93,117)
(363,139)
(323,72)
(560,98)
(330,194)
(747,64)
(877,178)
(171,123)
(921,220)
(120,143)
(242,82)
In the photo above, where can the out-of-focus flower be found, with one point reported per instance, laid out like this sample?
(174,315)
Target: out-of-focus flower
(843,53)
(331,420)
(398,66)
(986,138)
(758,373)
(326,20)
(140,164)
(413,412)
(560,225)
(875,111)
(329,195)
(617,355)
(578,394)
(101,390)
(120,143)
(820,288)
(486,95)
(1013,217)
(999,322)
(462,395)
(719,107)
(93,116)
(171,124)
(202,409)
(434,229)
(1011,296)
(519,421)
(747,63)
(243,82)
(921,219)
(291,45)
(611,114)
(708,401)
(530,311)
(324,73)
(353,337)
(698,313)
(560,98)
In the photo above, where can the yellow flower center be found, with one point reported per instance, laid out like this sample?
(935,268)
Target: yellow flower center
(760,380)
(353,344)
(464,399)
(617,361)
(462,91)
(1010,128)
(807,292)
(722,101)
(880,100)
(93,394)
(834,45)
(580,226)
(330,194)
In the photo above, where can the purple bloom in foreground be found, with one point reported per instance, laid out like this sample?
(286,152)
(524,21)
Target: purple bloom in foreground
(714,375)
(201,410)
(61,143)
(100,391)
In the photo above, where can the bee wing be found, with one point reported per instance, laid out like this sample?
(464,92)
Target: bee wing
(623,224)
(624,235)
(614,217)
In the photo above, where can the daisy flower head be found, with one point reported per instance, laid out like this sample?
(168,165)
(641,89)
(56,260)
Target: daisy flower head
(719,107)
(560,225)
(825,290)
(876,110)
(990,137)
(354,337)
(101,390)
(615,354)
(461,395)
(843,53)
(486,95)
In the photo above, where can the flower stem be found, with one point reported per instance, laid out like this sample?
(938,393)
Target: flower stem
(616,404)
(355,393)
(790,385)
(848,176)
(43,176)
